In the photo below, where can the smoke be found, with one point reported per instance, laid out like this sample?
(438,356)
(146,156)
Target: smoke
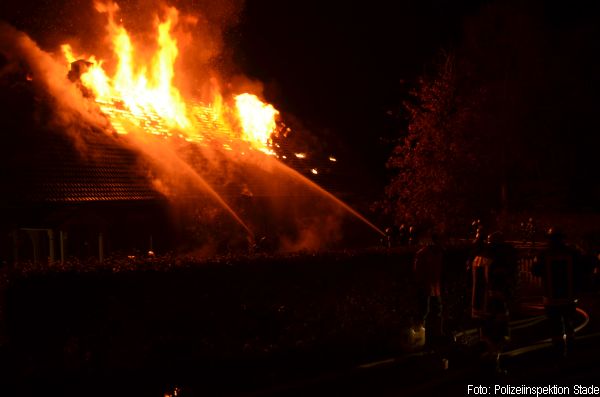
(200,32)
(49,75)
(316,233)
(227,195)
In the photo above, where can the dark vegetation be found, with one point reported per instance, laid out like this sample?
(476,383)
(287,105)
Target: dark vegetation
(255,319)
(503,121)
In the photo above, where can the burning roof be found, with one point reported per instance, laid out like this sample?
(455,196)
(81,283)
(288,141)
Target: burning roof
(42,164)
(128,133)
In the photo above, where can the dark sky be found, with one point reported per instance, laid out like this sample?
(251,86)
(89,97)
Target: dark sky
(339,66)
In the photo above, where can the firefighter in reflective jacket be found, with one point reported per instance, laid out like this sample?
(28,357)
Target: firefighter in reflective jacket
(559,266)
(494,274)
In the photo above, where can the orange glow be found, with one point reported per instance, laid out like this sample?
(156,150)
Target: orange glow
(142,94)
(332,159)
(257,120)
(140,88)
(135,90)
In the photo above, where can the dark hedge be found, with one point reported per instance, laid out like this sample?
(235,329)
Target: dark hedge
(173,314)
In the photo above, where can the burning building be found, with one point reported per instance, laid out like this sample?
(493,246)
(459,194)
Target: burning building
(112,157)
(79,194)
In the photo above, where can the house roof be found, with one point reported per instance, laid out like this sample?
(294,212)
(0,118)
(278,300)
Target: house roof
(103,172)
(40,163)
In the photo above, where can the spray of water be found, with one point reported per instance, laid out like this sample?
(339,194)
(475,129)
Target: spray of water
(174,164)
(168,160)
(312,185)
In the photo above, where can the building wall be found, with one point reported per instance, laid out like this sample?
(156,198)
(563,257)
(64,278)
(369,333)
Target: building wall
(96,230)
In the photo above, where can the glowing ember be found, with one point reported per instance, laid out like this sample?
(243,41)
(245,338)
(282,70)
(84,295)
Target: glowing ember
(257,120)
(300,155)
(332,159)
(314,171)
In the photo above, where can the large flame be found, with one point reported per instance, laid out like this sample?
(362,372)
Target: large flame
(257,120)
(143,94)
(136,92)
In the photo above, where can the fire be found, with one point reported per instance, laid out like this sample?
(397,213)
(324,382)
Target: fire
(136,88)
(143,94)
(257,120)
(142,89)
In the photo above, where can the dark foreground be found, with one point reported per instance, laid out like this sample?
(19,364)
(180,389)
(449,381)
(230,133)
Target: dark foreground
(327,324)
(458,371)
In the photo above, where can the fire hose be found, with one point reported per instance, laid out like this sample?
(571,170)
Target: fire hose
(541,344)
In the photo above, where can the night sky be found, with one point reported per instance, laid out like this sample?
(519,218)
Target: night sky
(347,67)
(341,68)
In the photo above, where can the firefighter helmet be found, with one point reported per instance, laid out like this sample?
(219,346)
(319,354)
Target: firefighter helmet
(555,235)
(495,238)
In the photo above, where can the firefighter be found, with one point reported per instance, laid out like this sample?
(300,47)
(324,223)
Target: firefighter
(412,235)
(560,268)
(427,269)
(391,236)
(479,240)
(402,235)
(528,230)
(493,275)
(477,245)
